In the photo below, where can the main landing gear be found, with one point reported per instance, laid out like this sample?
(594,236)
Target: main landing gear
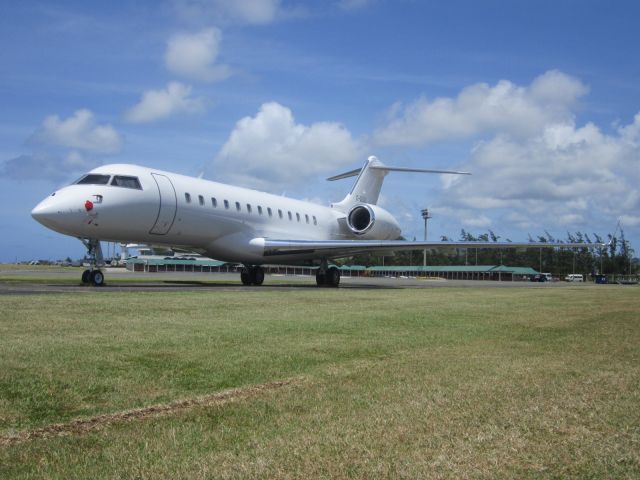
(252,275)
(327,276)
(93,275)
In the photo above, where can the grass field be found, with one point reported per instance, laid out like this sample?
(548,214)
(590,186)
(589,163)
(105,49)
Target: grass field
(412,383)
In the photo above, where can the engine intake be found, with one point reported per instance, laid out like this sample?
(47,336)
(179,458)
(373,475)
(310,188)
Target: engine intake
(372,222)
(361,218)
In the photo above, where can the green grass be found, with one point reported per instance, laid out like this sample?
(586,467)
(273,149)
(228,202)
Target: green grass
(60,278)
(413,383)
(25,274)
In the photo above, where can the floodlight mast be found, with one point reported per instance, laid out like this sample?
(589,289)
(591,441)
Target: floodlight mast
(426,216)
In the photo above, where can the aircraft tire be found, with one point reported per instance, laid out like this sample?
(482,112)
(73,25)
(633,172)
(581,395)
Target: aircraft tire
(257,276)
(245,276)
(332,277)
(97,278)
(86,277)
(320,278)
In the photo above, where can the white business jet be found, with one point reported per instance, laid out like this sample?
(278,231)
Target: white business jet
(133,204)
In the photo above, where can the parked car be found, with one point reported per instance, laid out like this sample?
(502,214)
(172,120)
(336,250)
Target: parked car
(574,277)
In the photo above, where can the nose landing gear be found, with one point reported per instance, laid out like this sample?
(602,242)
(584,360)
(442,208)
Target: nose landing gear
(93,275)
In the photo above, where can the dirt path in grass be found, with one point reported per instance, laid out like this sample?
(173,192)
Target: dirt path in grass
(81,426)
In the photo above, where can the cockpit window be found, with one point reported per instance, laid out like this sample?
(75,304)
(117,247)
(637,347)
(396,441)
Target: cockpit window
(93,179)
(126,182)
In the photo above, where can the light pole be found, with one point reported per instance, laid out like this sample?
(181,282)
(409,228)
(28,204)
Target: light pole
(601,270)
(426,216)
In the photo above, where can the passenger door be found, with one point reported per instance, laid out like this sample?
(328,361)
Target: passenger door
(167,205)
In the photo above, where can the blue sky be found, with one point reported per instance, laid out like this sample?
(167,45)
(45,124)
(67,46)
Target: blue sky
(539,100)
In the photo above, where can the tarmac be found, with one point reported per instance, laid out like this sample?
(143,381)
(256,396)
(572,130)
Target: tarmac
(121,280)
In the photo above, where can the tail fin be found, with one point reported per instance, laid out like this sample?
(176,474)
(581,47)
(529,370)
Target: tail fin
(366,188)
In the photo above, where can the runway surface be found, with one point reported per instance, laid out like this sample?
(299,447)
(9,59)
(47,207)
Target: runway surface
(118,280)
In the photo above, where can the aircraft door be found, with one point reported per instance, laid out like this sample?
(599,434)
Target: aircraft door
(167,205)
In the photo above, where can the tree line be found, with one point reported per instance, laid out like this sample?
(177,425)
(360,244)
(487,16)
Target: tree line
(616,257)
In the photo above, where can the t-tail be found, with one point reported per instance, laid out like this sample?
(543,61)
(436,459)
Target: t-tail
(366,188)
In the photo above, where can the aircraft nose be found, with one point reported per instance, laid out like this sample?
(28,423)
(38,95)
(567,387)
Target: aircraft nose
(45,212)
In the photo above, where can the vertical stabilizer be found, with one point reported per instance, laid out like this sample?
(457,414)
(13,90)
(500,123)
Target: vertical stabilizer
(366,188)
(369,181)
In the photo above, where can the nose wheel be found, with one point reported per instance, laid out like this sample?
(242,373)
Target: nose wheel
(93,276)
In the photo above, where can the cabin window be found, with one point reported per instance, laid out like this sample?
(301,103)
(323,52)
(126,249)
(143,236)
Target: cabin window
(269,212)
(126,182)
(201,200)
(290,216)
(214,202)
(238,208)
(226,204)
(280,213)
(259,210)
(94,179)
(187,197)
(248,207)
(306,218)
(315,222)
(297,216)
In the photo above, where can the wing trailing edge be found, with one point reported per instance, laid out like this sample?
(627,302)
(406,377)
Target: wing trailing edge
(345,248)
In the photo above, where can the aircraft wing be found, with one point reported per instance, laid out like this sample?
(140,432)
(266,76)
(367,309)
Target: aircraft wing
(345,248)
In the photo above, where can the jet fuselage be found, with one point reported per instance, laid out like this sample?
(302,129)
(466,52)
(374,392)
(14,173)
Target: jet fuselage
(134,204)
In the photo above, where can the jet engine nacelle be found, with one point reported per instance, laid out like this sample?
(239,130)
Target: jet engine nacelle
(370,222)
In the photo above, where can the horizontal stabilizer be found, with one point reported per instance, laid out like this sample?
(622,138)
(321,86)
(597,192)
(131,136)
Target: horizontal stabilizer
(350,173)
(418,170)
(355,172)
(366,188)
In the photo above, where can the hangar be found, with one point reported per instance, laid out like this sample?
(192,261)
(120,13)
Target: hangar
(177,264)
(448,272)
(458,272)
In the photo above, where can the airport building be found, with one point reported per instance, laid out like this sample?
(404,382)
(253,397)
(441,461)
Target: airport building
(152,263)
(198,264)
(457,272)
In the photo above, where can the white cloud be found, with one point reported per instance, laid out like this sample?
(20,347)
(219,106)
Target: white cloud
(48,167)
(194,55)
(79,132)
(480,108)
(160,104)
(565,177)
(477,221)
(64,148)
(250,11)
(630,220)
(254,12)
(271,149)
